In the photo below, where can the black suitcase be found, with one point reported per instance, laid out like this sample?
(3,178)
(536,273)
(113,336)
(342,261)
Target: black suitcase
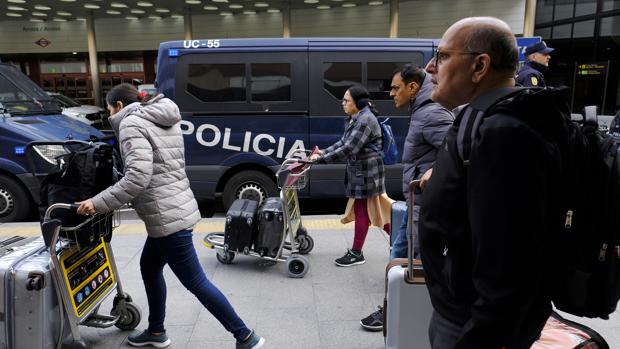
(240,230)
(270,227)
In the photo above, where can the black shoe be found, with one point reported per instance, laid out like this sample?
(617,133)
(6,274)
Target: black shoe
(374,321)
(350,258)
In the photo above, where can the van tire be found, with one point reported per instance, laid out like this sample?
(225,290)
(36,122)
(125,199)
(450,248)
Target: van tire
(14,201)
(250,184)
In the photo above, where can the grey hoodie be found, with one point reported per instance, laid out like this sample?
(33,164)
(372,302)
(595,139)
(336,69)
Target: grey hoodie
(154,157)
(428,126)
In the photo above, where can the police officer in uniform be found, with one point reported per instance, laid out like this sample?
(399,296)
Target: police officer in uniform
(531,74)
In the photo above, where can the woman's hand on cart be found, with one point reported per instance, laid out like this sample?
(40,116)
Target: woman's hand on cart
(86,207)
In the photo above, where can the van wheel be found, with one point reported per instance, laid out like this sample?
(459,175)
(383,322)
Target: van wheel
(253,185)
(14,201)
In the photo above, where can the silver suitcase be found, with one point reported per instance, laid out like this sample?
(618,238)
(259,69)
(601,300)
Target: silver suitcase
(407,305)
(28,302)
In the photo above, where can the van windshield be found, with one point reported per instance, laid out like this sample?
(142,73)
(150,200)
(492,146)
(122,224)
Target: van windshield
(23,99)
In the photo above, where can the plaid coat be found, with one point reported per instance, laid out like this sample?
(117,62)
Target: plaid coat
(365,175)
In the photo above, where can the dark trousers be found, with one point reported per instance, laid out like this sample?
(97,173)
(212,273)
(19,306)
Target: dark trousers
(442,333)
(177,250)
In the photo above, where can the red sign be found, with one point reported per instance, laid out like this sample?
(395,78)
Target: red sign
(43,42)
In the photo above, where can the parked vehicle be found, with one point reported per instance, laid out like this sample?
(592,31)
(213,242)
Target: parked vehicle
(248,104)
(90,114)
(28,114)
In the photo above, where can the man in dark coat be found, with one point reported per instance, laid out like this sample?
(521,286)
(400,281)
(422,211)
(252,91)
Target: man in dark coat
(532,72)
(411,87)
(485,221)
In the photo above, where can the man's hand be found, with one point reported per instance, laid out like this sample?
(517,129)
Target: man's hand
(425,178)
(86,207)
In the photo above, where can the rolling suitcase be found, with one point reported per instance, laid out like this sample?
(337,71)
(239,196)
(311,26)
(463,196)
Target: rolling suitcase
(399,208)
(31,318)
(270,227)
(407,305)
(240,229)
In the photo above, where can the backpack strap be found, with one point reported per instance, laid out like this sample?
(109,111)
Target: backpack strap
(471,117)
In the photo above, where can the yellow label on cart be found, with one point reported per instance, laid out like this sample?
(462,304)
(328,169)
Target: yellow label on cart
(88,275)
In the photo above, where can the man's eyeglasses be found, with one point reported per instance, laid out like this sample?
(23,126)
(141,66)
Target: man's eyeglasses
(442,55)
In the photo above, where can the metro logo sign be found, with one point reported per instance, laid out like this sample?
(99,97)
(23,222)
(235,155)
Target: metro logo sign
(43,42)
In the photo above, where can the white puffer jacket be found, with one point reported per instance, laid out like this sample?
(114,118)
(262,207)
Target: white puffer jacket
(154,157)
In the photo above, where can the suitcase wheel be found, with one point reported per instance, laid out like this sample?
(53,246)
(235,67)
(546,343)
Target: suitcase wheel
(297,266)
(305,242)
(225,257)
(130,316)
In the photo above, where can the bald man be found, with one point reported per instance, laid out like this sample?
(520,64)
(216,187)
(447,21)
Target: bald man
(483,221)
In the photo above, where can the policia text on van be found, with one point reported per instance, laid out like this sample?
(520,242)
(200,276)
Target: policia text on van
(248,103)
(29,114)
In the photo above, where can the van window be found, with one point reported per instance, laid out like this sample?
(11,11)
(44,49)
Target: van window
(9,92)
(217,82)
(339,76)
(271,82)
(380,78)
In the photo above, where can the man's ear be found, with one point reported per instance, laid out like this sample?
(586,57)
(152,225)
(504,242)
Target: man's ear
(119,105)
(482,67)
(413,88)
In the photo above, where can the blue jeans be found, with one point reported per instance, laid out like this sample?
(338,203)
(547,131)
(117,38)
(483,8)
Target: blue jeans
(399,247)
(177,250)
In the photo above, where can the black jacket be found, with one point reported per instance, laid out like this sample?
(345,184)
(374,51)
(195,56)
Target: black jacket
(483,232)
(531,75)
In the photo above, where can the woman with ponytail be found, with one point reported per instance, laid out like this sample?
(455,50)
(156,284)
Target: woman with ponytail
(365,174)
(155,183)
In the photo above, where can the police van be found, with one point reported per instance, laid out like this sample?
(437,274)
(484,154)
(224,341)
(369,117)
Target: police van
(27,113)
(247,104)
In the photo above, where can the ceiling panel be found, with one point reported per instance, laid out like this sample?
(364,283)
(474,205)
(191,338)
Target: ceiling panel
(70,10)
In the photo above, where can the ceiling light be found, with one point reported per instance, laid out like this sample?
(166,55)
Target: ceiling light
(323,7)
(162,10)
(144,4)
(154,17)
(349,4)
(118,5)
(261,4)
(337,0)
(80,19)
(18,1)
(210,8)
(249,12)
(311,1)
(42,7)
(75,53)
(91,6)
(137,11)
(36,20)
(273,10)
(113,12)
(13,14)
(40,14)
(375,3)
(68,0)
(177,16)
(235,6)
(131,17)
(16,8)
(192,2)
(220,0)
(63,13)
(226,13)
(59,20)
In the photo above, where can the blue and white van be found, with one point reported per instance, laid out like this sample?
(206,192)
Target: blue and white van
(28,114)
(248,103)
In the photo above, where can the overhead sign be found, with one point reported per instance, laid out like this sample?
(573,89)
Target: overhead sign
(523,43)
(599,68)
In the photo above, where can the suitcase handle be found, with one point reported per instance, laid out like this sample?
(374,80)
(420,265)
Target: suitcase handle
(412,186)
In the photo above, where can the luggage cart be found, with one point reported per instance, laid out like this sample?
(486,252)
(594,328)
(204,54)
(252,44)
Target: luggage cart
(85,275)
(292,176)
(82,264)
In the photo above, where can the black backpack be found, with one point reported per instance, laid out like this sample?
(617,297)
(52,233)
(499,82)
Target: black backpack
(79,175)
(585,277)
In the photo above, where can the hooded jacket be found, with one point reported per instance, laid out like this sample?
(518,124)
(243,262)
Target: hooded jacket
(154,161)
(428,126)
